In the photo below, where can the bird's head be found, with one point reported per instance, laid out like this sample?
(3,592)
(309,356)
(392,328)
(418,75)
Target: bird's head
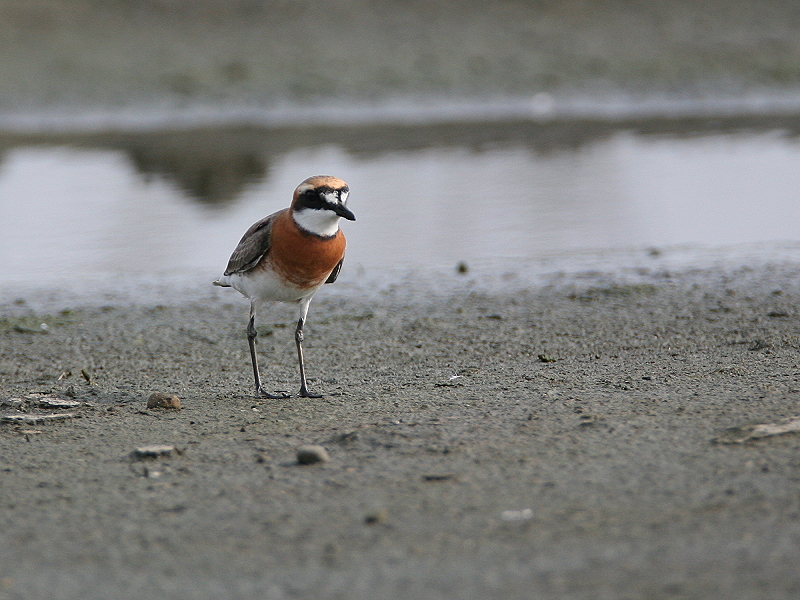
(319,202)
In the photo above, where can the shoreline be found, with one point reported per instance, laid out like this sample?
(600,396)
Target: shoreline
(49,292)
(619,109)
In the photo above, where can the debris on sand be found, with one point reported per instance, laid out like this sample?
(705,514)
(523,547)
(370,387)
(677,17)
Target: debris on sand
(46,401)
(54,402)
(35,419)
(746,433)
(154,451)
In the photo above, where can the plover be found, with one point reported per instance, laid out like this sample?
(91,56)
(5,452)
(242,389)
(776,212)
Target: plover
(288,256)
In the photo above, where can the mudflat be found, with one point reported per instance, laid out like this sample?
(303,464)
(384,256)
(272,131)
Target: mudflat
(83,55)
(585,437)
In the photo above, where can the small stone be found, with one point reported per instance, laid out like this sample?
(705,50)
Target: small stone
(439,477)
(154,451)
(312,454)
(517,515)
(376,518)
(162,400)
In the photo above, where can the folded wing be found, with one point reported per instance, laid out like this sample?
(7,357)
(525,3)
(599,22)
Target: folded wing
(254,245)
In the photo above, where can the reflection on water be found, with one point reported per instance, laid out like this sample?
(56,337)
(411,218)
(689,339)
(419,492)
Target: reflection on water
(209,174)
(85,206)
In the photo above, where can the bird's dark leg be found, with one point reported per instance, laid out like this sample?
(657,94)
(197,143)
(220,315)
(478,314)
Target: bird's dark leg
(298,338)
(251,340)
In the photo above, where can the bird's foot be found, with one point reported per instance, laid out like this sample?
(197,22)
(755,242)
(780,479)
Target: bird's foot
(304,393)
(262,393)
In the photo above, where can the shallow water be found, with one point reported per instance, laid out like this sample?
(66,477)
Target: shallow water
(168,204)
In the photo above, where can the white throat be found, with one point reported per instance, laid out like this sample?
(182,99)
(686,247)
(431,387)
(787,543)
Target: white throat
(320,222)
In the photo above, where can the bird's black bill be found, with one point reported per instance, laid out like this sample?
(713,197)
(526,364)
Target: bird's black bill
(344,212)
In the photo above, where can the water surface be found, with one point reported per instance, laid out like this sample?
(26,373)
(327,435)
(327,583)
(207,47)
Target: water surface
(173,204)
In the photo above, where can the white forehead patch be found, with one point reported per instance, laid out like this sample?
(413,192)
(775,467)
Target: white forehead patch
(335,197)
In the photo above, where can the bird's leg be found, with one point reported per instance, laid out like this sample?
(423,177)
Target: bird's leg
(251,340)
(298,338)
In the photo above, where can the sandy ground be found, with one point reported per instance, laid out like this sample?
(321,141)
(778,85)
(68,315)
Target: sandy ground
(562,440)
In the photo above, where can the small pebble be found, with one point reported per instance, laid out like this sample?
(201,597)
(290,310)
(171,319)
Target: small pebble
(439,477)
(517,515)
(376,518)
(162,400)
(312,454)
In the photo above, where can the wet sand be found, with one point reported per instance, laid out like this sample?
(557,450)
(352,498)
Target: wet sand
(559,440)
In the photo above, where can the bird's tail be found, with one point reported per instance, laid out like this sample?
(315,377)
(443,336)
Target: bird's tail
(222,282)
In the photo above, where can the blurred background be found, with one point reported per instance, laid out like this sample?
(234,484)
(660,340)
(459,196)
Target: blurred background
(140,138)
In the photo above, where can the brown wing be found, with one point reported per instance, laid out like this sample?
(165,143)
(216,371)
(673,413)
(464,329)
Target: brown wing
(253,246)
(335,273)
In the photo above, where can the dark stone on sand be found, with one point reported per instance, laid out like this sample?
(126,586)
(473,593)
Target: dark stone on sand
(312,454)
(162,400)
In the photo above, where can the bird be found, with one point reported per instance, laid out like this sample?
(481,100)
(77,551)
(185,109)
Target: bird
(288,256)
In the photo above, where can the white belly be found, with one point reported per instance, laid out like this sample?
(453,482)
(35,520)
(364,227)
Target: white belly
(265,286)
